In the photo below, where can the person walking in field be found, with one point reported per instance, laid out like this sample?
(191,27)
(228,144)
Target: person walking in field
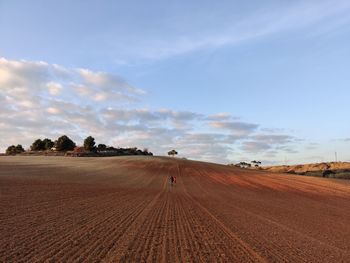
(171,180)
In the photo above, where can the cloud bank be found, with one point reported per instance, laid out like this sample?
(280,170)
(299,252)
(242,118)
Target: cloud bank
(38,99)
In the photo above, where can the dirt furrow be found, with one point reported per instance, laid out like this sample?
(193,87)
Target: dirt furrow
(69,240)
(43,236)
(147,238)
(242,248)
(296,253)
(105,237)
(273,254)
(120,254)
(124,209)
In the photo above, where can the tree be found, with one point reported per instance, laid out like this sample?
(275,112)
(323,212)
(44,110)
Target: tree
(147,152)
(14,149)
(111,149)
(256,163)
(19,148)
(48,144)
(101,147)
(11,150)
(89,144)
(172,153)
(41,145)
(64,143)
(37,145)
(243,165)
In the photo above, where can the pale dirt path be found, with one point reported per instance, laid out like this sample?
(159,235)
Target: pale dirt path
(124,210)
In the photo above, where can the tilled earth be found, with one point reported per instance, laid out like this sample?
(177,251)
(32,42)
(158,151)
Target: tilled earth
(124,209)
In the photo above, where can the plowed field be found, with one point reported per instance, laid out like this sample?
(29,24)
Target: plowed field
(124,209)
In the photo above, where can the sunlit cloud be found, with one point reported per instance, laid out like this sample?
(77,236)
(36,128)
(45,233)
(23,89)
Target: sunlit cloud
(38,99)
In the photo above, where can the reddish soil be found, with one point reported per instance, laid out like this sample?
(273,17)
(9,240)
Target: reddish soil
(123,209)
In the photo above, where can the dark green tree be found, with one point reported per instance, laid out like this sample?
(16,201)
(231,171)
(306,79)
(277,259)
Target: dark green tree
(19,149)
(101,147)
(89,144)
(48,144)
(256,163)
(64,143)
(37,145)
(172,153)
(244,165)
(11,150)
(14,149)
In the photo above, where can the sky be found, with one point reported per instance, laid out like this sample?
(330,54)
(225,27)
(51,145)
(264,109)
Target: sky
(220,81)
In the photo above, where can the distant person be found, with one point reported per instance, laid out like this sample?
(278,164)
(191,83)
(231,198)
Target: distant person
(171,180)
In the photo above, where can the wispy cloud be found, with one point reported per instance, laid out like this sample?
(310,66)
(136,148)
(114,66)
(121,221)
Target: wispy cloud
(235,127)
(178,37)
(269,144)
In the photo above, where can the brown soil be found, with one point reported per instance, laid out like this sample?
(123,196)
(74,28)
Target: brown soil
(123,209)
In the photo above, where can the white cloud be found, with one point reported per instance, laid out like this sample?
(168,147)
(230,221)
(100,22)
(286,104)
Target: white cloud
(53,110)
(42,100)
(255,146)
(107,81)
(54,88)
(101,96)
(221,116)
(269,144)
(82,90)
(236,127)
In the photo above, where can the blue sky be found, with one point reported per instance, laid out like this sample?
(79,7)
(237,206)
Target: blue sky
(220,81)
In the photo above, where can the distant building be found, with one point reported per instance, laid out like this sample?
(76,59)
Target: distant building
(79,149)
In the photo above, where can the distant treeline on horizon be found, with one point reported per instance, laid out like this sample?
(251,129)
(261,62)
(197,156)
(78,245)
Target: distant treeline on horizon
(68,147)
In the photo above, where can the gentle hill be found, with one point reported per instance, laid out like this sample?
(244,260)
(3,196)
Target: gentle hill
(329,169)
(125,209)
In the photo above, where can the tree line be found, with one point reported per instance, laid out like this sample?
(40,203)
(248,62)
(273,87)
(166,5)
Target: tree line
(65,144)
(255,164)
